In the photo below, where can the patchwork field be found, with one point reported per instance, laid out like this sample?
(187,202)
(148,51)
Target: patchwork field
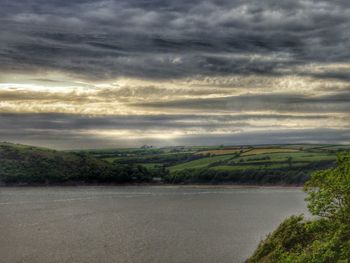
(267,150)
(283,164)
(201,163)
(219,152)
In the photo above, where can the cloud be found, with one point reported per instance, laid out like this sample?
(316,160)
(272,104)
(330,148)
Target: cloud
(276,102)
(163,39)
(55,121)
(93,72)
(65,131)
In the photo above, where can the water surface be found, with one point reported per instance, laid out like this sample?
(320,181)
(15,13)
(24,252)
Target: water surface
(139,224)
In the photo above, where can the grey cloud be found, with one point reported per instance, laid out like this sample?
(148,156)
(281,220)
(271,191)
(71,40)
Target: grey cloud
(279,102)
(73,140)
(64,131)
(59,122)
(164,39)
(169,39)
(339,75)
(283,136)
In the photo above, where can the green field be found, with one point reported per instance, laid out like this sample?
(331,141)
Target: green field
(150,165)
(287,163)
(273,160)
(281,157)
(262,164)
(200,163)
(267,150)
(205,156)
(255,166)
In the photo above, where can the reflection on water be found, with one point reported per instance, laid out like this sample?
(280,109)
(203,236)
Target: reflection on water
(139,224)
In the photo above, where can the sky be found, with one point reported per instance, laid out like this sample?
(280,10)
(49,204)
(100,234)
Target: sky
(95,73)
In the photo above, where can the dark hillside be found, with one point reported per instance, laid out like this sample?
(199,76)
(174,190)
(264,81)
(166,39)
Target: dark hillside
(20,164)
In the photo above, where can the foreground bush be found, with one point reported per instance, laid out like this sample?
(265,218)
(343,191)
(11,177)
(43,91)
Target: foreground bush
(324,239)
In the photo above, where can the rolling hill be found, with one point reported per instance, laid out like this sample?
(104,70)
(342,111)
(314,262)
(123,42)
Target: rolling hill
(269,164)
(21,164)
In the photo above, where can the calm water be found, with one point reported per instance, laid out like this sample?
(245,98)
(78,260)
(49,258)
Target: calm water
(139,224)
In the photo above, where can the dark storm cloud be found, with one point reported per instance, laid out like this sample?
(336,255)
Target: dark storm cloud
(278,102)
(22,122)
(167,39)
(339,75)
(217,45)
(320,135)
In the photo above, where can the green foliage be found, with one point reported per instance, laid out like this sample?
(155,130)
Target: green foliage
(329,191)
(201,162)
(167,159)
(325,239)
(30,165)
(292,164)
(266,168)
(245,174)
(21,164)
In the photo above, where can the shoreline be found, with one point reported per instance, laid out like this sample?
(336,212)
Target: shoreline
(199,186)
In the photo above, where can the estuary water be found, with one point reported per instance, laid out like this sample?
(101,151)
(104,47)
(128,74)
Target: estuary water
(140,223)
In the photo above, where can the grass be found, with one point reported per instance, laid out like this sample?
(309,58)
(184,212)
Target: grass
(233,168)
(268,150)
(144,158)
(111,159)
(24,147)
(150,165)
(337,147)
(296,156)
(227,158)
(219,152)
(262,159)
(200,163)
(256,166)
(258,158)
